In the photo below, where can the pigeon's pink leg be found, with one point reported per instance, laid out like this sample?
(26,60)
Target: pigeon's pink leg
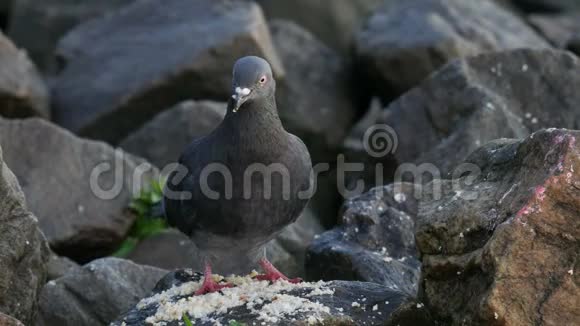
(209,285)
(273,274)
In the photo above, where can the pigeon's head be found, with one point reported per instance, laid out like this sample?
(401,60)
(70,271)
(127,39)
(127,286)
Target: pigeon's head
(252,81)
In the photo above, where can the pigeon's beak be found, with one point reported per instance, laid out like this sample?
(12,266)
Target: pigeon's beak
(240,96)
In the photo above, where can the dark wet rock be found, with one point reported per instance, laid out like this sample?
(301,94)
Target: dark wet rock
(374,241)
(561,30)
(502,248)
(6,320)
(547,5)
(37,25)
(22,90)
(23,252)
(332,21)
(315,101)
(59,266)
(162,139)
(97,293)
(472,101)
(79,189)
(405,41)
(119,72)
(169,250)
(332,303)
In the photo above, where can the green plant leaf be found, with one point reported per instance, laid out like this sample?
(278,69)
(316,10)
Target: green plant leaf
(186,320)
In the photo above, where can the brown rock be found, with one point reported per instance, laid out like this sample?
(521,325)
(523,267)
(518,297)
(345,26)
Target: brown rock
(503,247)
(6,320)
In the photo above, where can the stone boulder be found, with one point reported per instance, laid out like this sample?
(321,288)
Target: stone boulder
(562,30)
(22,90)
(315,100)
(332,21)
(122,69)
(405,41)
(37,25)
(258,302)
(59,266)
(23,252)
(163,139)
(472,101)
(502,247)
(96,294)
(79,189)
(6,320)
(374,241)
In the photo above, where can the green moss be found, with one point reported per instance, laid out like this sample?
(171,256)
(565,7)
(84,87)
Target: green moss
(148,221)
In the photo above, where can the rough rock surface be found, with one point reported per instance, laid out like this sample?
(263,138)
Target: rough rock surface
(405,41)
(59,266)
(561,30)
(332,21)
(23,251)
(96,294)
(503,247)
(314,100)
(475,100)
(162,140)
(79,189)
(119,71)
(374,241)
(37,25)
(281,303)
(22,90)
(6,320)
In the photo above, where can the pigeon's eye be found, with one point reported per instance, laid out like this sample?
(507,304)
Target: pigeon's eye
(262,80)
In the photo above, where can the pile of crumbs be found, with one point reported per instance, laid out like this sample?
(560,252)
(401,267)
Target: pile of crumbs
(269,302)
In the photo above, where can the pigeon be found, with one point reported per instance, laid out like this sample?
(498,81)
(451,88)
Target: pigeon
(235,189)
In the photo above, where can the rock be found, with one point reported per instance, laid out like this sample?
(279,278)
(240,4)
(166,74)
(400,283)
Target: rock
(505,242)
(168,250)
(79,189)
(472,101)
(314,100)
(162,139)
(374,241)
(405,41)
(332,21)
(281,303)
(546,5)
(97,293)
(37,26)
(5,13)
(23,252)
(6,320)
(22,90)
(288,251)
(59,266)
(560,30)
(113,82)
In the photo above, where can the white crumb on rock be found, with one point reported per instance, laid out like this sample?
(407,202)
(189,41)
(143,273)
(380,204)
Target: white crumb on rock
(271,303)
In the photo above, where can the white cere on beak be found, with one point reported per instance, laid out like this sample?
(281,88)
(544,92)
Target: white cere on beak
(243,91)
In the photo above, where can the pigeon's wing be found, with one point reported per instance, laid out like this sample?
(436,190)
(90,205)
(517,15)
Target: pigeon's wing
(179,206)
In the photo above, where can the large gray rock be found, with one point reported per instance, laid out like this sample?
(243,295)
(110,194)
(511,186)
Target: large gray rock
(560,29)
(502,247)
(405,41)
(96,294)
(258,302)
(59,266)
(23,251)
(162,140)
(475,100)
(38,25)
(124,68)
(374,241)
(79,189)
(22,90)
(315,100)
(332,21)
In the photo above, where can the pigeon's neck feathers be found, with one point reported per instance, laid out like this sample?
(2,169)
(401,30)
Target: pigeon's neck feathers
(255,118)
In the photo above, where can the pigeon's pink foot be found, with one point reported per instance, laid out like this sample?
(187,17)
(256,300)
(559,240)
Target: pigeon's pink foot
(209,285)
(273,274)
